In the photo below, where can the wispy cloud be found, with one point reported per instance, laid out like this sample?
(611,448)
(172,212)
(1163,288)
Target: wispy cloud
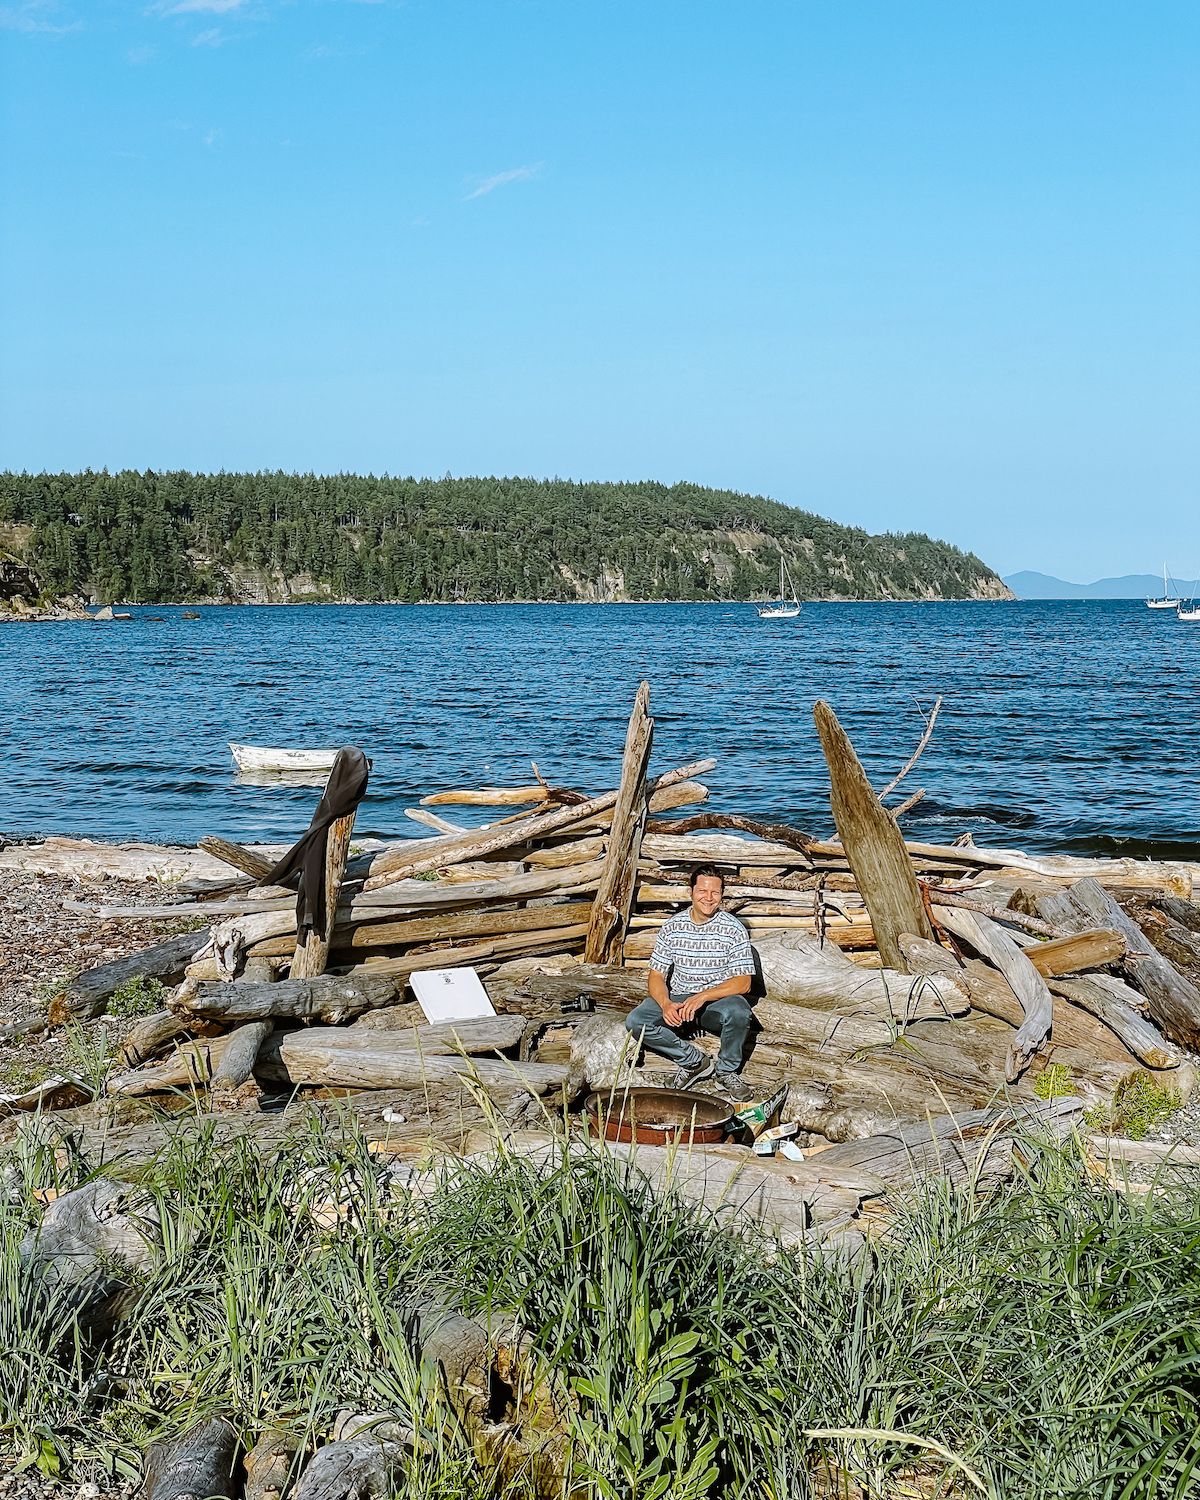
(138,57)
(202,7)
(44,17)
(323,51)
(502,179)
(211,137)
(213,37)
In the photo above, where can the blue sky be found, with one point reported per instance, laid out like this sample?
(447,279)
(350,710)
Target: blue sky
(928,266)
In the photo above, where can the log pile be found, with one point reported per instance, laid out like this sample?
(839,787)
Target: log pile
(899,980)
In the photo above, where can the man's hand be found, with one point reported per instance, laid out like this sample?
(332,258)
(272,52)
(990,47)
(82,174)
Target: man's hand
(687,1008)
(673,1015)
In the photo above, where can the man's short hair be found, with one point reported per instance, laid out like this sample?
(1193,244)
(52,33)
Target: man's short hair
(697,872)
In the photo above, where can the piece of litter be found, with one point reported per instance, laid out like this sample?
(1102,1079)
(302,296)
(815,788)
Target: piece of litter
(393,1117)
(791,1151)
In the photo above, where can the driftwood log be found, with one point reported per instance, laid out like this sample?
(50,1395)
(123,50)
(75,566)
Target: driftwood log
(996,945)
(614,897)
(200,1464)
(1074,1025)
(89,1246)
(388,868)
(797,968)
(271,1464)
(873,844)
(1172,1001)
(89,993)
(326,998)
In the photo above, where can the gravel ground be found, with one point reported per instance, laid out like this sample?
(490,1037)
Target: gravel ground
(41,945)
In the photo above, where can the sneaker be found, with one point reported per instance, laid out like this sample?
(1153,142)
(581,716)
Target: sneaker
(735,1087)
(690,1073)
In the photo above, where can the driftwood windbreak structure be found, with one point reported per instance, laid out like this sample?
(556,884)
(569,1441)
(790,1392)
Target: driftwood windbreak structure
(913,998)
(898,977)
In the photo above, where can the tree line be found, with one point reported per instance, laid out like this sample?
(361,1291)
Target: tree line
(158,537)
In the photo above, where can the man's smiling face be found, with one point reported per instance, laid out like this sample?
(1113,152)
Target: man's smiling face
(706,896)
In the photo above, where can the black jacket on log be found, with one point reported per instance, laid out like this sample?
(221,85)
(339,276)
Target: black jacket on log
(305,860)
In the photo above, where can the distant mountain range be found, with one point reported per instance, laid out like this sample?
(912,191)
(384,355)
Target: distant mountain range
(1029,585)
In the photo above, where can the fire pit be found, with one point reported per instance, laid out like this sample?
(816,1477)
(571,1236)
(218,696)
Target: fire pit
(654,1117)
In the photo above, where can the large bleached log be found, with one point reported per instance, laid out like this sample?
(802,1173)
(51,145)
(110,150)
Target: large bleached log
(1172,1001)
(471,923)
(83,859)
(1175,878)
(544,940)
(614,897)
(991,994)
(200,1464)
(1000,949)
(354,1057)
(797,968)
(326,997)
(391,866)
(873,843)
(406,896)
(1116,1005)
(89,993)
(720,848)
(359,1059)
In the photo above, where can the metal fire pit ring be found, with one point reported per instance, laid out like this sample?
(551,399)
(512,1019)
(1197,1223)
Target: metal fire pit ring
(656,1117)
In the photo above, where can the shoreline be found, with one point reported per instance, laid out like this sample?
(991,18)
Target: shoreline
(56,615)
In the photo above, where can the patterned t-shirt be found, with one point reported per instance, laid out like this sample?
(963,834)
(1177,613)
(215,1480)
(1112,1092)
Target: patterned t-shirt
(703,954)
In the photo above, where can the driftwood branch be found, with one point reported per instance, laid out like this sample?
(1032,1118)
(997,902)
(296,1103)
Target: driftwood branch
(913,758)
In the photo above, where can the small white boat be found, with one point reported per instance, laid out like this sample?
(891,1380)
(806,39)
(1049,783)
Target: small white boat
(1166,600)
(271,758)
(783,610)
(1192,614)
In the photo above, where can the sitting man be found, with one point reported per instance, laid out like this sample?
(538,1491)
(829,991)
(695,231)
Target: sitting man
(704,954)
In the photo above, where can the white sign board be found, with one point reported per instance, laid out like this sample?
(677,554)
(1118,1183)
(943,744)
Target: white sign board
(451,994)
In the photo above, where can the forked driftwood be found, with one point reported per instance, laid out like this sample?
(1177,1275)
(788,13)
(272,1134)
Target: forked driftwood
(926,736)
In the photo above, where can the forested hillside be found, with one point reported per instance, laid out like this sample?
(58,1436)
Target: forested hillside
(151,538)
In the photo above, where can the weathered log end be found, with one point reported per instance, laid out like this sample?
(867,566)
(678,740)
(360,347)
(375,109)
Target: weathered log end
(873,843)
(200,1464)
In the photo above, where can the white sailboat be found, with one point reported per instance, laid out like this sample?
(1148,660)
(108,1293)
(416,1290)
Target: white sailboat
(1191,614)
(1167,601)
(783,610)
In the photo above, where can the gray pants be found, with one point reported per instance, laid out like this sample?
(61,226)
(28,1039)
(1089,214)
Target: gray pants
(729,1018)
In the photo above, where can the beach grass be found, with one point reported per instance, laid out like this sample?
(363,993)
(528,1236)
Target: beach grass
(1042,1340)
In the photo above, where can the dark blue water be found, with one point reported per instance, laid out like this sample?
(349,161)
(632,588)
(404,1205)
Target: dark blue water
(1067,725)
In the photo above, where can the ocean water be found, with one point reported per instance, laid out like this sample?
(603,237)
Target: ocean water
(1065,725)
